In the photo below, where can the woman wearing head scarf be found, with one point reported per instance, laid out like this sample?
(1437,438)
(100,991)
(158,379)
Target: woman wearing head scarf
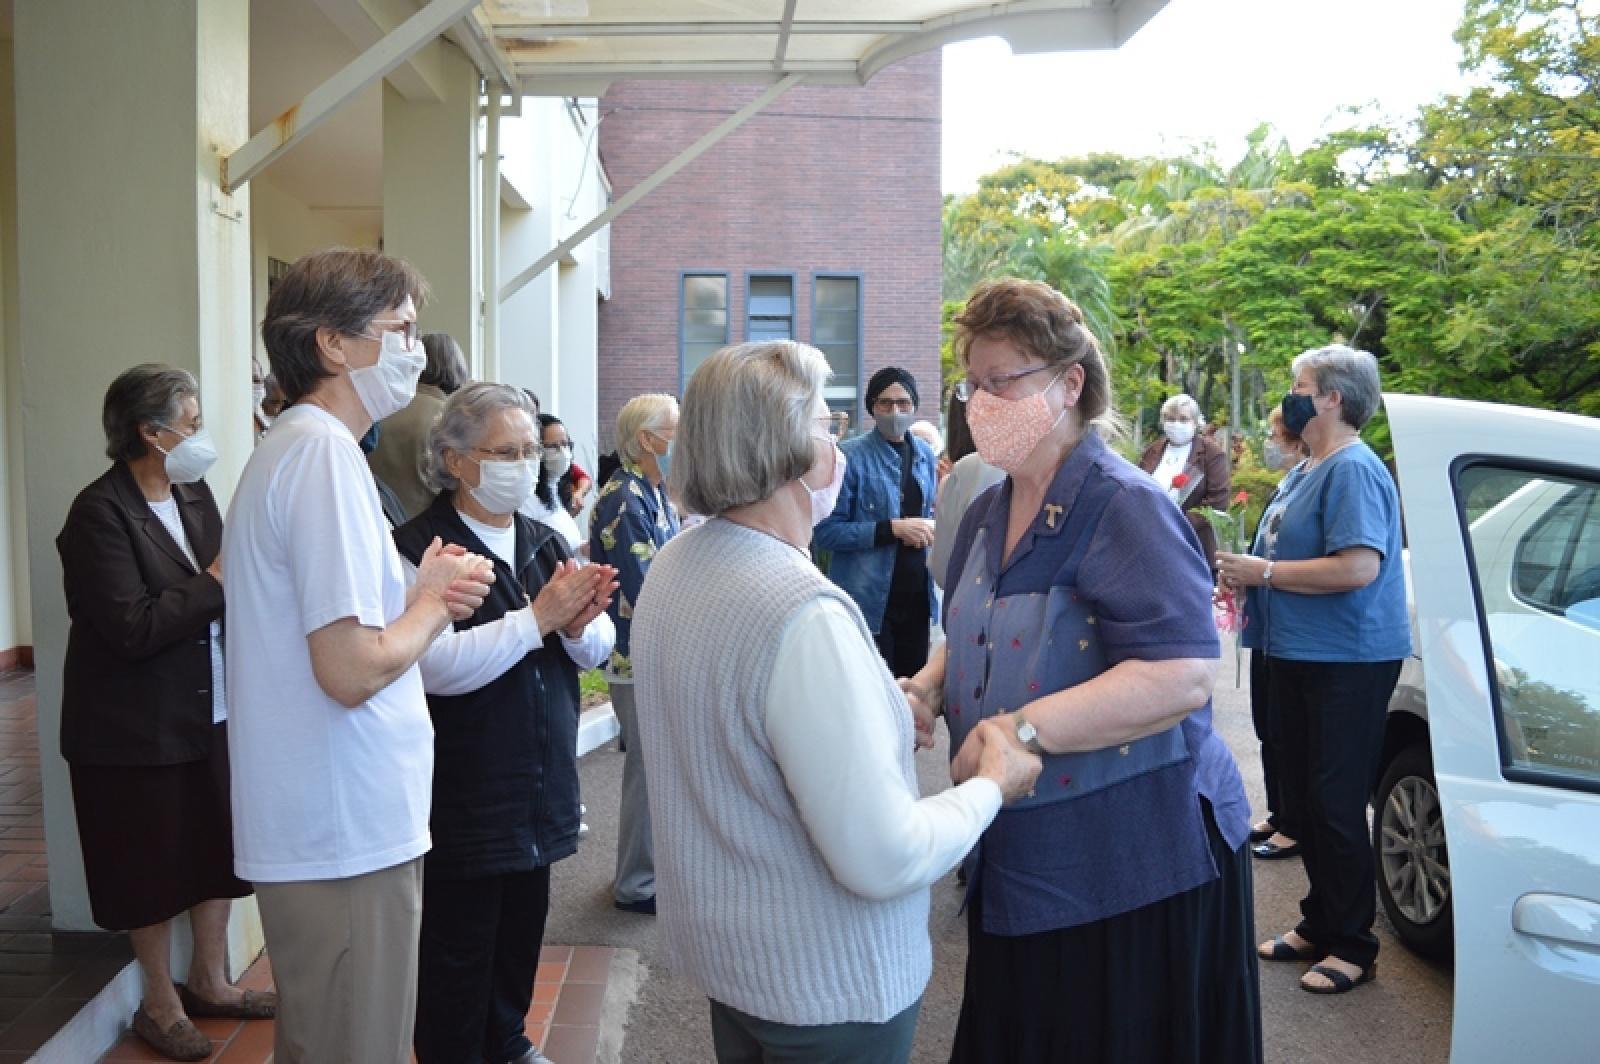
(881,528)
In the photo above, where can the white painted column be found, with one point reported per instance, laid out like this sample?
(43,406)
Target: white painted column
(530,319)
(16,628)
(128,254)
(430,199)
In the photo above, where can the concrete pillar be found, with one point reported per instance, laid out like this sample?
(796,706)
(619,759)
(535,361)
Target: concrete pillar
(430,199)
(530,319)
(16,627)
(129,253)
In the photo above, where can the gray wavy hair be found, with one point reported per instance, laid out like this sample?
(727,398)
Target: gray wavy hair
(1350,372)
(461,425)
(1183,403)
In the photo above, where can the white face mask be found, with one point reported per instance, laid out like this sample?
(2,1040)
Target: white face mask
(191,459)
(557,462)
(1179,432)
(504,486)
(388,385)
(824,499)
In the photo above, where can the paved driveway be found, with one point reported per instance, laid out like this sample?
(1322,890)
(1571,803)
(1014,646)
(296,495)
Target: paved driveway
(1404,1016)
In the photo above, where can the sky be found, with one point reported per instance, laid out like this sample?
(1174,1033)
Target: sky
(1199,71)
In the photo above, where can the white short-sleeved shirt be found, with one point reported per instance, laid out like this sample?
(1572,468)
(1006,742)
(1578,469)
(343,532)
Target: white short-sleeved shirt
(319,791)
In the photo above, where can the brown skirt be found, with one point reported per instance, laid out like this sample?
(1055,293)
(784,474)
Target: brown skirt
(157,839)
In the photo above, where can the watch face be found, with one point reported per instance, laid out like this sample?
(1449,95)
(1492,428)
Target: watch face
(1025,730)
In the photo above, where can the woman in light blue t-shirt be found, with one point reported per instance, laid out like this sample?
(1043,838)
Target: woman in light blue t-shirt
(1327,592)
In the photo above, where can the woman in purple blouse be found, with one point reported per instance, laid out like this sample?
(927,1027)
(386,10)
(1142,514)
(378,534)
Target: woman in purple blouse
(1110,912)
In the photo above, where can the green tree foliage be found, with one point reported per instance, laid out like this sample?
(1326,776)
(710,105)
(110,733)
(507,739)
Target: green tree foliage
(1462,251)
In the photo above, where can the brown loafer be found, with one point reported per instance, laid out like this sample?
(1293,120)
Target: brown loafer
(181,1041)
(255,1005)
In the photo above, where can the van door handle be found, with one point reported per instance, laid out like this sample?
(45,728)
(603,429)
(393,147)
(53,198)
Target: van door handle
(1560,917)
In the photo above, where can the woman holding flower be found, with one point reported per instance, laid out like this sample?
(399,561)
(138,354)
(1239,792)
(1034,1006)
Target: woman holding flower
(1191,467)
(1327,594)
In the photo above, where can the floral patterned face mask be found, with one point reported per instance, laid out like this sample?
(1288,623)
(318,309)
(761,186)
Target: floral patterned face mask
(1007,431)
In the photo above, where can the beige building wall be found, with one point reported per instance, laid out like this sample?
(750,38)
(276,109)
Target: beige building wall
(16,619)
(283,228)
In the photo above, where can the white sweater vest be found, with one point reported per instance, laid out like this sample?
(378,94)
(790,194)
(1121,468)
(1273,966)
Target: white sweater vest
(749,909)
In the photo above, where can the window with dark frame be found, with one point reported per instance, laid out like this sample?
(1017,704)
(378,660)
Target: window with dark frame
(703,327)
(836,332)
(769,308)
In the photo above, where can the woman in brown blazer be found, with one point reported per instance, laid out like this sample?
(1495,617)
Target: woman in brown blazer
(143,707)
(1192,466)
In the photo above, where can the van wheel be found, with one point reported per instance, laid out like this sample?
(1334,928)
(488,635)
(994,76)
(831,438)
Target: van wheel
(1413,863)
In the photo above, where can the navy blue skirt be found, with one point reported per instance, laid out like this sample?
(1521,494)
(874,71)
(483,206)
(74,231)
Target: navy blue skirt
(1172,983)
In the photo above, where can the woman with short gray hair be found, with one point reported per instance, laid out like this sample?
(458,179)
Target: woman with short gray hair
(778,745)
(505,766)
(1326,601)
(143,710)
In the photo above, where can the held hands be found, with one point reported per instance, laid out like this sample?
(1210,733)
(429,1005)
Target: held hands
(913,531)
(457,578)
(574,596)
(926,706)
(992,751)
(214,570)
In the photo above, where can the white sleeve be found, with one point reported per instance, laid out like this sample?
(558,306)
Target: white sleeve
(333,530)
(458,662)
(591,649)
(840,760)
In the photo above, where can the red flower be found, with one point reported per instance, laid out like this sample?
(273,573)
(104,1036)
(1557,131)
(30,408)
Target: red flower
(1241,499)
(1180,480)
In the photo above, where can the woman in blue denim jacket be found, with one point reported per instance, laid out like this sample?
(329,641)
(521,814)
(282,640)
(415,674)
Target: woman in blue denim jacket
(882,527)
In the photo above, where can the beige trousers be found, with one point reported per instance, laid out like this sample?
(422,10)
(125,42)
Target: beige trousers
(344,957)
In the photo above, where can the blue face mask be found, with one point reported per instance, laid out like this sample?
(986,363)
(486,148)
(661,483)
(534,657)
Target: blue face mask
(1298,410)
(369,442)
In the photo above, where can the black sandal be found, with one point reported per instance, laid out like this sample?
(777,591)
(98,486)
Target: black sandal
(1342,983)
(1280,949)
(1263,834)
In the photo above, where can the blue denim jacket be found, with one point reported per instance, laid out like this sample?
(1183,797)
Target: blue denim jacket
(871,493)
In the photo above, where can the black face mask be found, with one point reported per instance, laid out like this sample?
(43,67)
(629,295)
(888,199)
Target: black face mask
(369,442)
(1298,410)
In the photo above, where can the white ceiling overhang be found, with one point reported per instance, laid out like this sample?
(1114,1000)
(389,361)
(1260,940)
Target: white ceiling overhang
(578,47)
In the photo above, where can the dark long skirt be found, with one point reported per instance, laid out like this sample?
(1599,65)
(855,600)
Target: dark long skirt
(157,839)
(1171,983)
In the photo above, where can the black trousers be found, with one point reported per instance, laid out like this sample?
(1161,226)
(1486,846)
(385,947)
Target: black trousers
(739,1038)
(478,955)
(1282,820)
(1330,718)
(903,637)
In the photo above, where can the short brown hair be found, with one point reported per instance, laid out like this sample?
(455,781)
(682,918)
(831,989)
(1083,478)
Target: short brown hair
(446,368)
(338,288)
(1047,325)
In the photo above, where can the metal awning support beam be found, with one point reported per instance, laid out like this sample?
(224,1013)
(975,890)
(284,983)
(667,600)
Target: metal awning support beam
(783,34)
(489,206)
(556,29)
(649,184)
(476,37)
(289,128)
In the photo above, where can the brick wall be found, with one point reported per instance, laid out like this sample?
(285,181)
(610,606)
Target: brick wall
(826,179)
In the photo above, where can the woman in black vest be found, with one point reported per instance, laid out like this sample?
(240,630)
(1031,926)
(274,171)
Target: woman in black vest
(505,773)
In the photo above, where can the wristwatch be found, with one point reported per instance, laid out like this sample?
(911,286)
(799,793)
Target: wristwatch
(1266,574)
(1028,735)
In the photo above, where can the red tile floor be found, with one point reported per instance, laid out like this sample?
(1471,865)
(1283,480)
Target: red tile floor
(45,977)
(564,1021)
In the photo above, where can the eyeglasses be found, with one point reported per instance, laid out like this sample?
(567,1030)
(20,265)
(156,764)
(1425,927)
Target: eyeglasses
(994,384)
(512,454)
(552,448)
(406,329)
(903,406)
(832,424)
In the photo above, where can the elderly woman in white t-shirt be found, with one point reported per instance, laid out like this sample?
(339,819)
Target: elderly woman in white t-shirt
(779,748)
(1191,466)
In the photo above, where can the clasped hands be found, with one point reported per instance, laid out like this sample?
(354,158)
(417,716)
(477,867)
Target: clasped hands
(991,750)
(1236,571)
(573,596)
